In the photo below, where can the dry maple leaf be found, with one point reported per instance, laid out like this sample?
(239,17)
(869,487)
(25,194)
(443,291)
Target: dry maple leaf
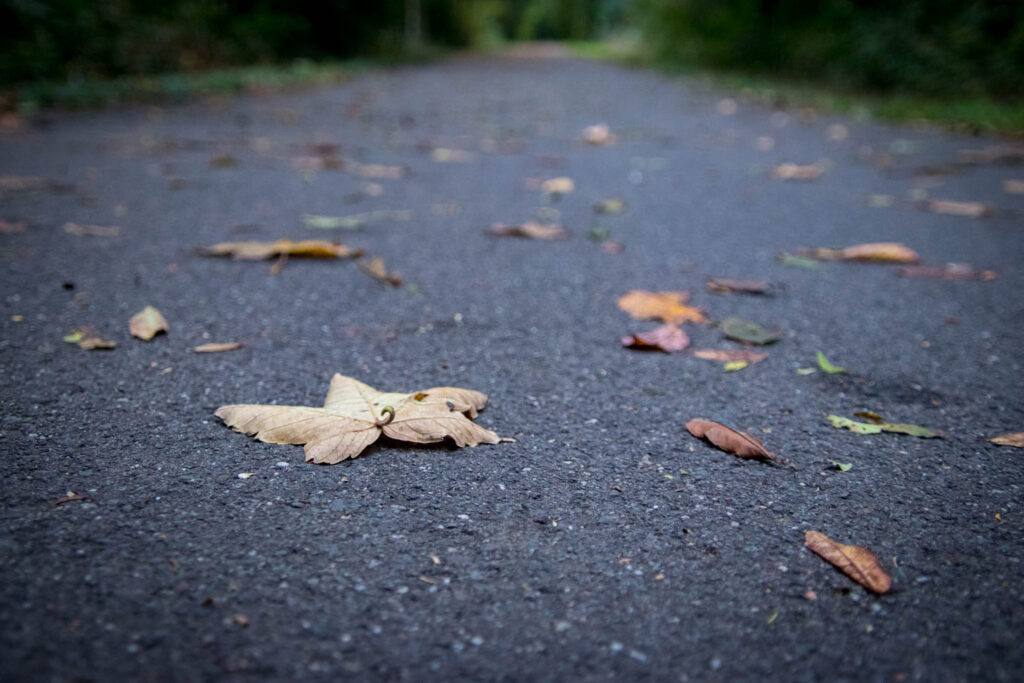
(259,251)
(730,355)
(668,307)
(731,440)
(790,171)
(1015,440)
(860,564)
(530,230)
(872,252)
(667,338)
(147,323)
(355,415)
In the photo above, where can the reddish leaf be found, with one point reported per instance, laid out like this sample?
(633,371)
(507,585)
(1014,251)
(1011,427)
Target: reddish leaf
(667,338)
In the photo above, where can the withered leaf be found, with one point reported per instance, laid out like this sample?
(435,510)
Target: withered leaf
(598,135)
(451,156)
(954,208)
(1013,186)
(610,206)
(376,269)
(91,230)
(223,161)
(730,440)
(558,186)
(612,247)
(668,307)
(730,355)
(90,340)
(258,251)
(1015,440)
(860,564)
(872,252)
(530,230)
(790,171)
(147,323)
(951,271)
(13,226)
(217,347)
(725,285)
(377,171)
(667,338)
(749,332)
(355,415)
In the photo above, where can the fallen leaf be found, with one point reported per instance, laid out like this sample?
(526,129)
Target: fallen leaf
(258,251)
(668,338)
(217,347)
(734,365)
(842,466)
(730,355)
(612,247)
(223,161)
(724,285)
(91,230)
(558,186)
(730,440)
(878,428)
(951,271)
(668,307)
(355,415)
(451,156)
(881,201)
(798,261)
(376,269)
(797,172)
(18,182)
(355,221)
(1013,186)
(1015,440)
(805,371)
(749,332)
(872,252)
(245,475)
(953,208)
(610,206)
(13,226)
(599,234)
(377,171)
(828,367)
(147,323)
(530,230)
(316,163)
(599,135)
(860,564)
(89,340)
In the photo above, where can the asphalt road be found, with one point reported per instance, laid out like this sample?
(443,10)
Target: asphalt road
(606,542)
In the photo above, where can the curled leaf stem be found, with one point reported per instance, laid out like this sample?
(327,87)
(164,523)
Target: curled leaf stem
(387,414)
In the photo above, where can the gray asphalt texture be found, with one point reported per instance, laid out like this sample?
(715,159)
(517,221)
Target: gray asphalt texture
(606,543)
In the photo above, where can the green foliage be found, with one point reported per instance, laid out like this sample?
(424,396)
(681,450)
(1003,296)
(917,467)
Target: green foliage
(930,46)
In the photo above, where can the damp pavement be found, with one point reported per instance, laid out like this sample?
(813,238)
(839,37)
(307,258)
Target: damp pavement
(143,540)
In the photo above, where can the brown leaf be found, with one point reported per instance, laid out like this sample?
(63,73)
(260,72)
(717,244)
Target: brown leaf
(18,182)
(730,355)
(90,340)
(376,269)
(1013,186)
(730,440)
(13,226)
(355,415)
(872,252)
(147,323)
(668,307)
(797,172)
(216,347)
(91,230)
(951,271)
(667,338)
(860,564)
(598,135)
(258,251)
(1015,440)
(953,208)
(530,230)
(724,285)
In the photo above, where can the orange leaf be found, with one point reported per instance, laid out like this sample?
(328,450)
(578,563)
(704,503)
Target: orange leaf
(669,307)
(258,251)
(872,252)
(667,338)
(860,564)
(730,440)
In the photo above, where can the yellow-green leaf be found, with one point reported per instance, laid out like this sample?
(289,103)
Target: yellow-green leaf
(828,367)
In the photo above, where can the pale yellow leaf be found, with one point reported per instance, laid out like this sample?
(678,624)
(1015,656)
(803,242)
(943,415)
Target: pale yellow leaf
(147,323)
